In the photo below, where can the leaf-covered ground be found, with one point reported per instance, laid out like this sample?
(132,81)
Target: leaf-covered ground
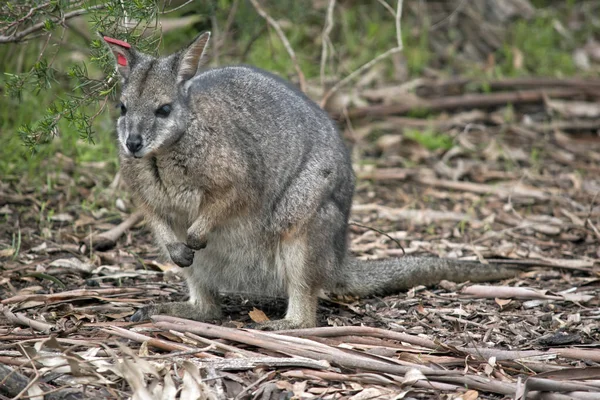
(514,182)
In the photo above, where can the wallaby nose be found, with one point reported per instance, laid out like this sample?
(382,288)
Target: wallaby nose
(134,143)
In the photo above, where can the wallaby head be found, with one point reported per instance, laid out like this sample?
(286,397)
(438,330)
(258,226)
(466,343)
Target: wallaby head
(153,95)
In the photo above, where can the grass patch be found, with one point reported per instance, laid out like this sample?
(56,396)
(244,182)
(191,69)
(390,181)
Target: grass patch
(430,139)
(545,51)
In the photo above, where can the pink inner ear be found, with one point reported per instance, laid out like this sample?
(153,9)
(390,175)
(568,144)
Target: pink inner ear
(117,42)
(121,60)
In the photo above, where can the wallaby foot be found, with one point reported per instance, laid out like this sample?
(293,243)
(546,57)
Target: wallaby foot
(181,309)
(181,254)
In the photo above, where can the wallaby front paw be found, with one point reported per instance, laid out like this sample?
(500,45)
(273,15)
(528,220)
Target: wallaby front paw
(195,240)
(181,254)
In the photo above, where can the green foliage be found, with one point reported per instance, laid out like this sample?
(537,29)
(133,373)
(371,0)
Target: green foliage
(430,139)
(545,52)
(55,95)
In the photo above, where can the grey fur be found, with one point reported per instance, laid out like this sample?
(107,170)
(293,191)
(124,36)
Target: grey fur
(248,185)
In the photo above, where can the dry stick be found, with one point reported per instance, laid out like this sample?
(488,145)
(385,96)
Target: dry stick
(240,364)
(21,319)
(159,343)
(494,386)
(503,192)
(485,353)
(179,7)
(369,64)
(284,40)
(550,385)
(470,101)
(537,263)
(325,40)
(563,396)
(364,331)
(70,294)
(448,17)
(107,240)
(229,22)
(381,233)
(505,292)
(223,346)
(335,376)
(253,385)
(286,345)
(366,378)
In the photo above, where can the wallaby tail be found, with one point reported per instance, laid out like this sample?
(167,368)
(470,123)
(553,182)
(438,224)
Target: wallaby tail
(363,278)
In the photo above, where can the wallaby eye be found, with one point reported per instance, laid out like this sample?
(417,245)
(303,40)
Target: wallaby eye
(123,109)
(163,111)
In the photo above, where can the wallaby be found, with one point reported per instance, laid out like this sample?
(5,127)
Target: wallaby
(248,185)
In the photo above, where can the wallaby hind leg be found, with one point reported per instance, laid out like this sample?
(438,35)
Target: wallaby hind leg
(203,305)
(301,282)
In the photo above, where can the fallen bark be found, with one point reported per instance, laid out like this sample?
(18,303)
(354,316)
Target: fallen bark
(472,101)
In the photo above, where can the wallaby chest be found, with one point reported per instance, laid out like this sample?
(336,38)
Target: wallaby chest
(165,186)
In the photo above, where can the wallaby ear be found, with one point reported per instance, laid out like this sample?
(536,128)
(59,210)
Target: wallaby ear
(192,57)
(123,52)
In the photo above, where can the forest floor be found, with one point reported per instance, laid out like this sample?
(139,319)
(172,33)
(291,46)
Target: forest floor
(515,179)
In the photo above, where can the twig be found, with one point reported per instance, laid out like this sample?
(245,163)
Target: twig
(364,378)
(240,364)
(325,40)
(222,346)
(107,240)
(17,37)
(159,343)
(229,22)
(253,385)
(284,40)
(369,64)
(179,7)
(77,293)
(381,233)
(447,17)
(21,319)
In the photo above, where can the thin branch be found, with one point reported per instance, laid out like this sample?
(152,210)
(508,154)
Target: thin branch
(177,8)
(447,19)
(107,240)
(19,36)
(229,22)
(374,61)
(325,41)
(391,10)
(284,40)
(381,233)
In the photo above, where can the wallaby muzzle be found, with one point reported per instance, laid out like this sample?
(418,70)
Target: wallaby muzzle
(134,144)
